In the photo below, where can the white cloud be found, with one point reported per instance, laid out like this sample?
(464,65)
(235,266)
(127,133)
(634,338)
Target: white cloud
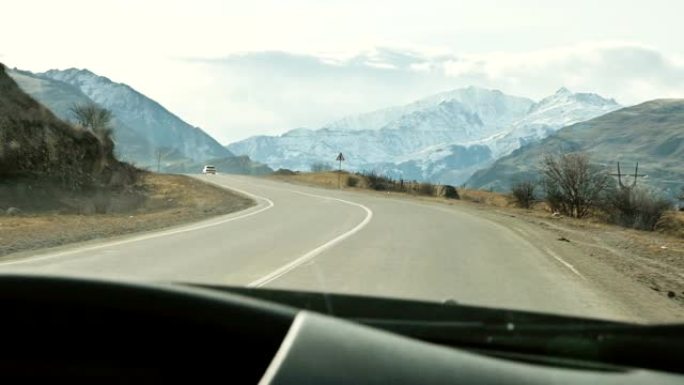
(327,66)
(628,71)
(275,91)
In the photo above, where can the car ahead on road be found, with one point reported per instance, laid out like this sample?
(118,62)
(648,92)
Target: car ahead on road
(209,169)
(78,330)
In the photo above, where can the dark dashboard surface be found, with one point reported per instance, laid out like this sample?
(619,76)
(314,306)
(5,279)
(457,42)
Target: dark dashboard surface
(84,331)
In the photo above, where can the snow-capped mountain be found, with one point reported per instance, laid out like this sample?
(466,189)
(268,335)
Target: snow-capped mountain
(151,121)
(552,113)
(442,138)
(493,106)
(464,115)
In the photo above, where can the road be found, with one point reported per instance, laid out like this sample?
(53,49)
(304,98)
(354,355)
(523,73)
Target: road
(336,241)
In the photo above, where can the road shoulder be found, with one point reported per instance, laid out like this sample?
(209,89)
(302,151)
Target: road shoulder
(171,200)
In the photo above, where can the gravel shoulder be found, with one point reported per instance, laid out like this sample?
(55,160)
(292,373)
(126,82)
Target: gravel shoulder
(169,200)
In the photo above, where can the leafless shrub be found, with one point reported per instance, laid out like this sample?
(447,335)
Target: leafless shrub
(573,186)
(378,182)
(637,208)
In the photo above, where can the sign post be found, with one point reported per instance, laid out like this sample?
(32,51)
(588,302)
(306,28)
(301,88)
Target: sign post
(340,158)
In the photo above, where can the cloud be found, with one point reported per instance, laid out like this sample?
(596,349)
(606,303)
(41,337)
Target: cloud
(271,91)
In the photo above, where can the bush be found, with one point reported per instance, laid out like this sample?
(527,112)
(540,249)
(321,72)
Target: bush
(573,186)
(378,182)
(637,208)
(320,167)
(284,171)
(352,181)
(427,189)
(524,194)
(450,192)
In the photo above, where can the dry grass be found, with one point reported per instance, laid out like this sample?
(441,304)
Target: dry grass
(485,197)
(672,223)
(171,200)
(326,179)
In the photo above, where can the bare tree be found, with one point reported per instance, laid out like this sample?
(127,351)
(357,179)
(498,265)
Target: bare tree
(92,116)
(97,120)
(572,184)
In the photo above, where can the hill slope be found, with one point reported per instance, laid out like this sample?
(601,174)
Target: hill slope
(35,143)
(147,118)
(59,97)
(651,133)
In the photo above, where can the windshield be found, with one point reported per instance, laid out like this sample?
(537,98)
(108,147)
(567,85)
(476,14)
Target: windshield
(521,155)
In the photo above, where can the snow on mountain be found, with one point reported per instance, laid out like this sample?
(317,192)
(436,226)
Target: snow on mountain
(151,121)
(493,106)
(552,113)
(442,138)
(457,116)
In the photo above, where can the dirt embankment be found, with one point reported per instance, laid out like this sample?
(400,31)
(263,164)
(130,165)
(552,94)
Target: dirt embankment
(49,219)
(653,259)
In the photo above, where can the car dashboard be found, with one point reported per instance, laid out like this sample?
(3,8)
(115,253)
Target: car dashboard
(82,331)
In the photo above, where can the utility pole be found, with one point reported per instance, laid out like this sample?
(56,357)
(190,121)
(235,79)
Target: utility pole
(159,154)
(634,181)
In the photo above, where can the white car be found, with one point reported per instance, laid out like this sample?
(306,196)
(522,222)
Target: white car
(208,169)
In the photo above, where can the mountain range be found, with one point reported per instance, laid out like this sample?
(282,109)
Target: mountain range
(443,138)
(142,128)
(650,133)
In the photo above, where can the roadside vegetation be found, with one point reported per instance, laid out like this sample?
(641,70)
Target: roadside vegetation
(575,187)
(570,186)
(524,194)
(321,167)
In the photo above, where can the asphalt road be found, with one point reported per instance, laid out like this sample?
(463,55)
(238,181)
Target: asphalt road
(336,241)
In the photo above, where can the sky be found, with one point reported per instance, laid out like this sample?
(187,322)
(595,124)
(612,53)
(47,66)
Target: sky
(259,67)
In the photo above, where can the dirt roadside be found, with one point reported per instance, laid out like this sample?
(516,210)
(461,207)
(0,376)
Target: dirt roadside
(643,268)
(169,200)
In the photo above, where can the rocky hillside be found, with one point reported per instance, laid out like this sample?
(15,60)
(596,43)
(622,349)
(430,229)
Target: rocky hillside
(651,133)
(35,144)
(60,97)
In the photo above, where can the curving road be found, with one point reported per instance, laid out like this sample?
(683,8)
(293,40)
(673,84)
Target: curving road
(336,241)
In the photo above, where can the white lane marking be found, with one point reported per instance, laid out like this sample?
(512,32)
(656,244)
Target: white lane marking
(311,254)
(561,260)
(269,204)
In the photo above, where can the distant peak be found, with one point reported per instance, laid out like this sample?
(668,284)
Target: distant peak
(72,70)
(563,91)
